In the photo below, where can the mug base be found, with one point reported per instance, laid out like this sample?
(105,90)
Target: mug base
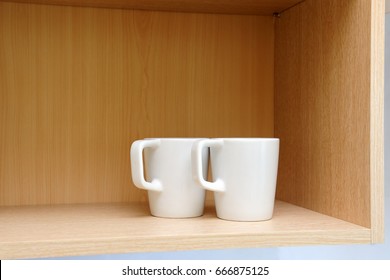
(236,219)
(176,216)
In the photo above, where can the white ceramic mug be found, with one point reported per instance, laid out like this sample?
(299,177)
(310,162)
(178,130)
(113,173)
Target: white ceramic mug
(244,171)
(171,189)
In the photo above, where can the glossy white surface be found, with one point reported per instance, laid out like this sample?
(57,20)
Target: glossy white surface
(171,189)
(244,171)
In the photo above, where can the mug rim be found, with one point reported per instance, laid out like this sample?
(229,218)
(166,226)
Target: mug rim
(235,139)
(176,138)
(247,139)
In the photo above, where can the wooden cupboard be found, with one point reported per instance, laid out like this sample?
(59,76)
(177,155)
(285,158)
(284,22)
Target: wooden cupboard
(81,80)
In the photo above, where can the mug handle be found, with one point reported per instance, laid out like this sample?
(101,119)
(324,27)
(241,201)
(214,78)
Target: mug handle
(137,165)
(197,168)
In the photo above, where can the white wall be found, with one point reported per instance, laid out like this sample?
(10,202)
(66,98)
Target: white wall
(381,251)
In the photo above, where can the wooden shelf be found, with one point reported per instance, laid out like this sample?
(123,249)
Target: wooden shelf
(253,7)
(41,231)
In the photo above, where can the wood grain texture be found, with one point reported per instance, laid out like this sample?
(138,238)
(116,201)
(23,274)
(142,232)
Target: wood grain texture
(322,107)
(259,7)
(43,231)
(78,85)
(377,121)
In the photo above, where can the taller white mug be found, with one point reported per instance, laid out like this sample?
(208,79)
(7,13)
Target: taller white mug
(171,189)
(244,171)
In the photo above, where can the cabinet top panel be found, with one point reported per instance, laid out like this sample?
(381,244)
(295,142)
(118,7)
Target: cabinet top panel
(259,7)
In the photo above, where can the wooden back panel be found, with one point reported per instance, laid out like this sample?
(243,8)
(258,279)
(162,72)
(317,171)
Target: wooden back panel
(78,85)
(322,107)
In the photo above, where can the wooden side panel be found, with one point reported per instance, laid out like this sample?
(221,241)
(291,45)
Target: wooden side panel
(322,107)
(78,85)
(377,121)
(253,7)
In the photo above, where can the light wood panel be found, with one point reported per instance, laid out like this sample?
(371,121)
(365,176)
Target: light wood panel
(377,121)
(78,85)
(260,7)
(43,231)
(322,107)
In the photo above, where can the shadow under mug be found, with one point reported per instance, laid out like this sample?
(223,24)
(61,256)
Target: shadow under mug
(172,192)
(244,171)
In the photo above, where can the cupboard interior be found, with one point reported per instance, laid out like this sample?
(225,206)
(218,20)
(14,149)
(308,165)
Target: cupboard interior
(79,84)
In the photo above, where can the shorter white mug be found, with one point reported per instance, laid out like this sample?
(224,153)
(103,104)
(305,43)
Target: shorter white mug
(244,171)
(171,189)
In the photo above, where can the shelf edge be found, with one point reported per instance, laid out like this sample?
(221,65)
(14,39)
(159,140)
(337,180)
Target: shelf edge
(172,243)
